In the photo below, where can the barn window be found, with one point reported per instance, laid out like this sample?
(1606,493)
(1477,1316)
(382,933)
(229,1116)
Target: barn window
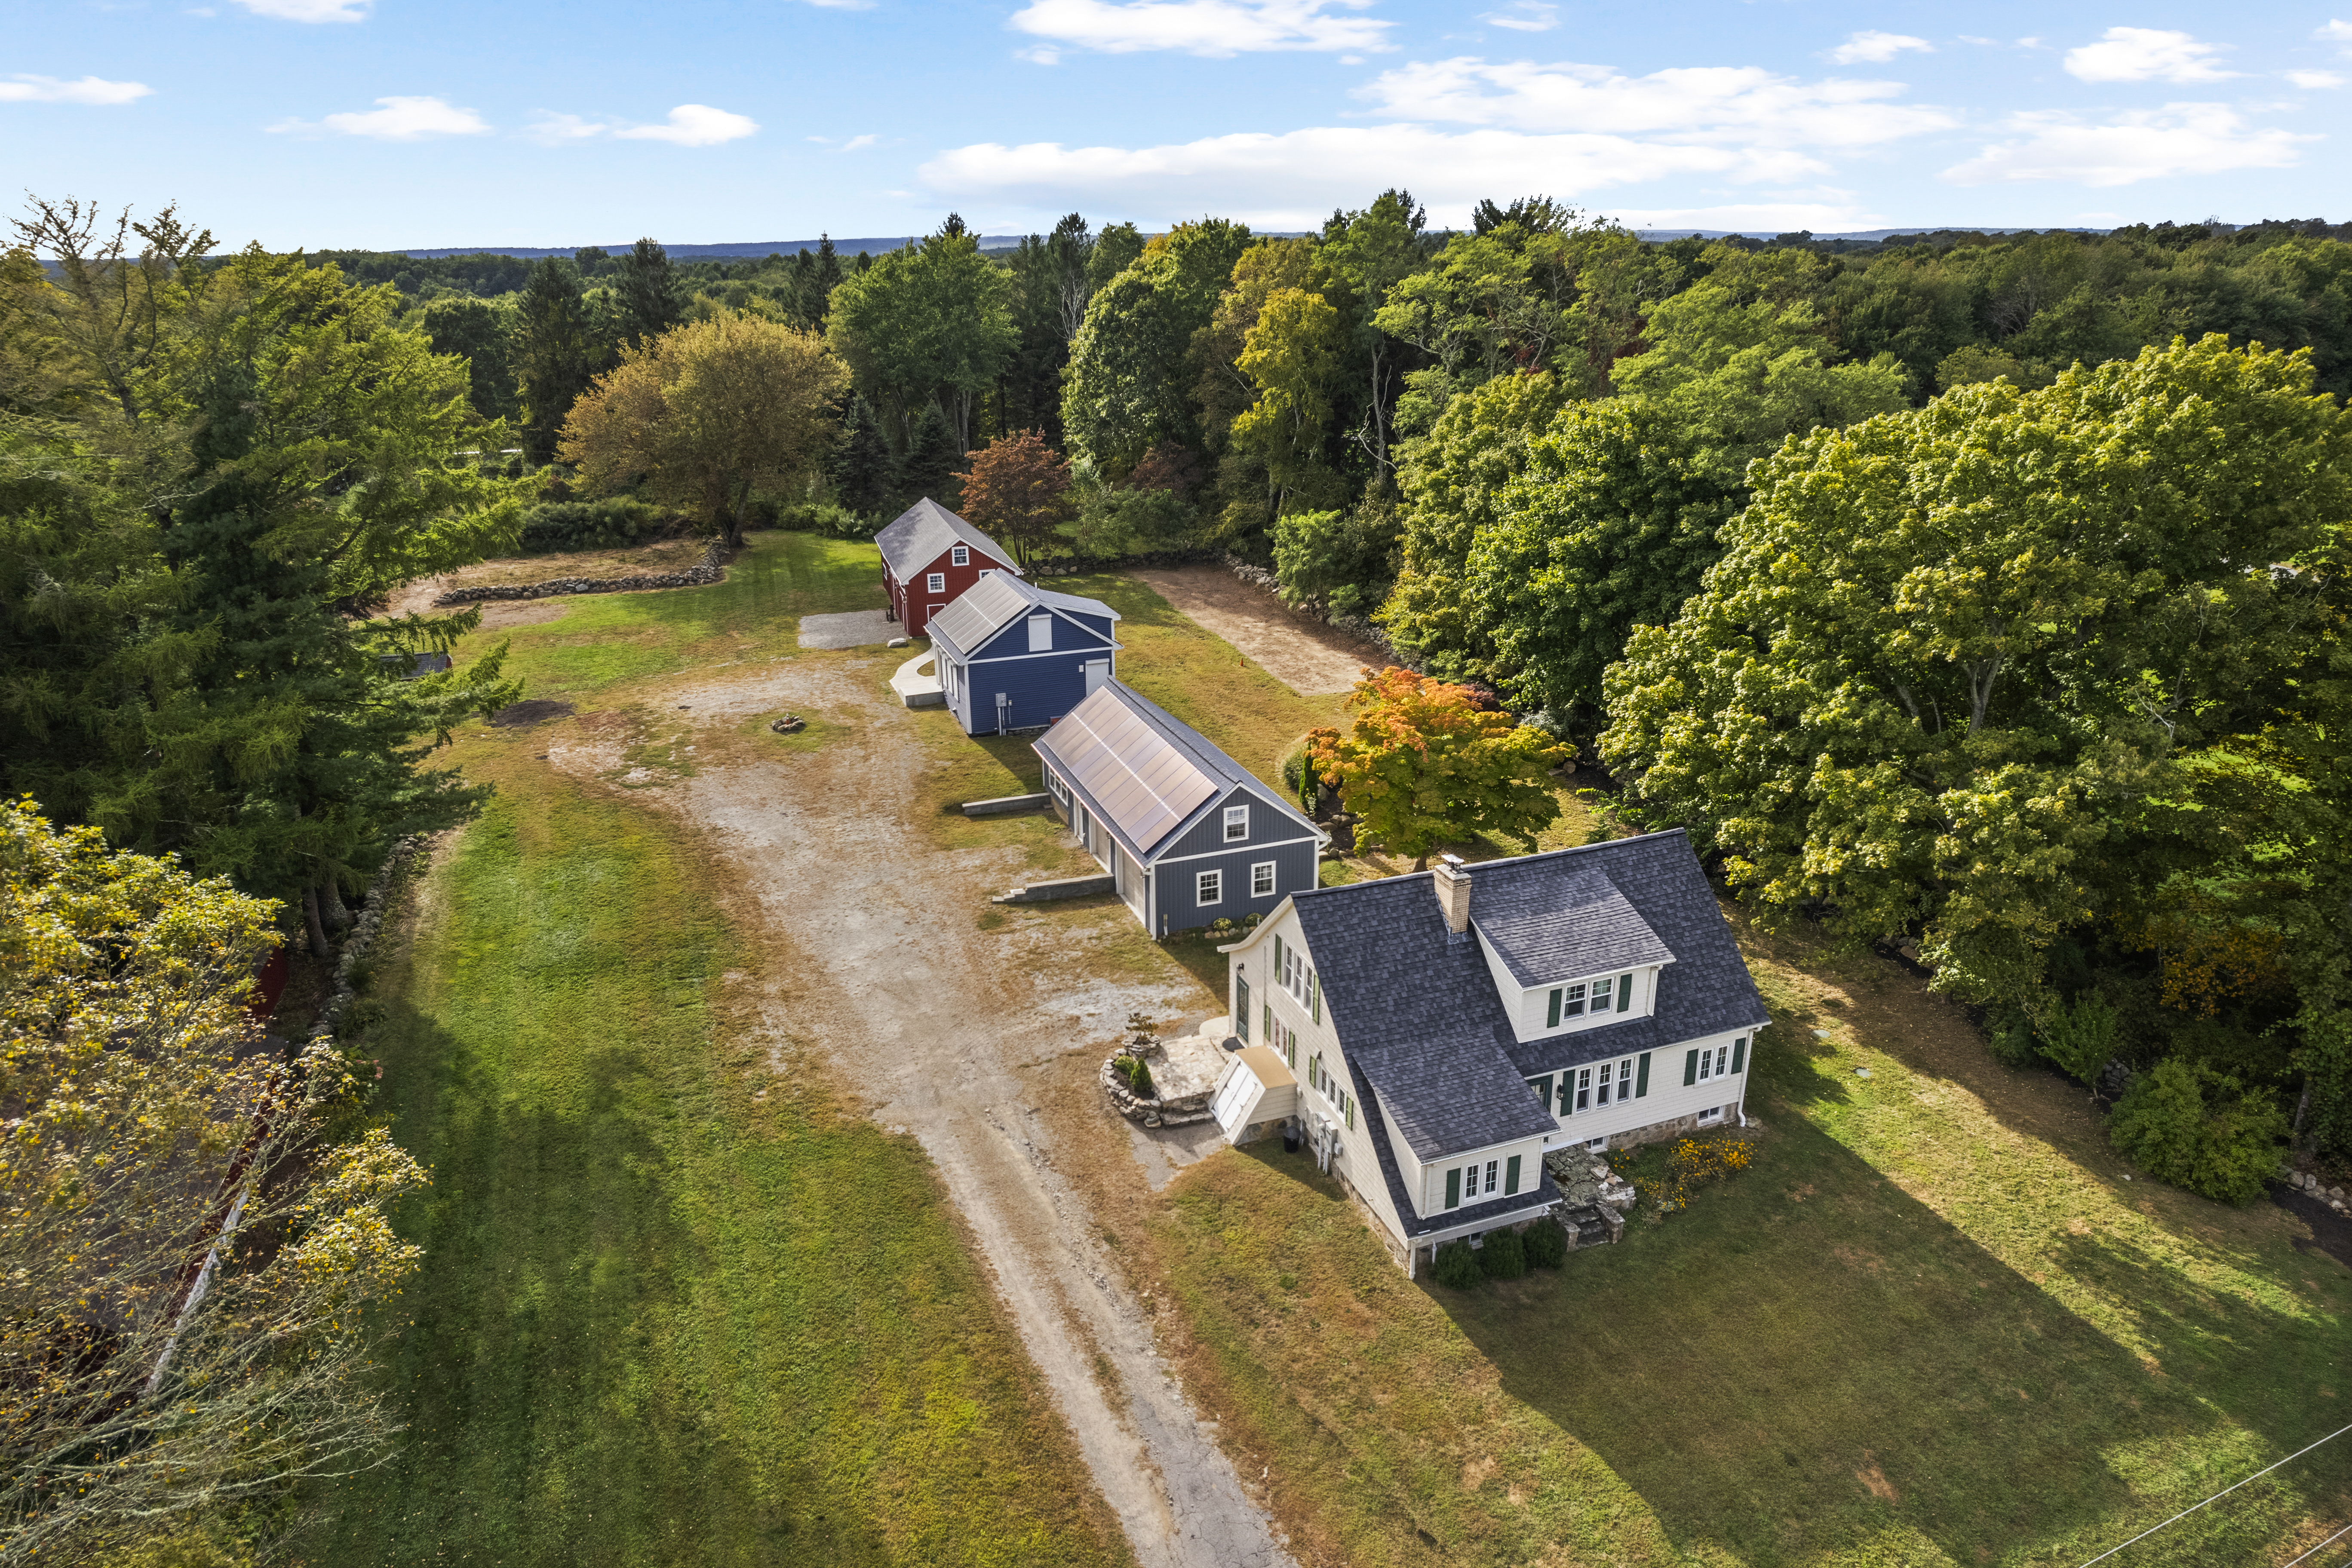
(937,581)
(959,556)
(1041,634)
(1210,887)
(1262,880)
(1237,822)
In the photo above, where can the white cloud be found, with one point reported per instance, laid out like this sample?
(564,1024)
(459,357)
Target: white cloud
(1294,179)
(857,142)
(309,10)
(2146,53)
(1877,47)
(552,130)
(2315,81)
(397,120)
(2179,139)
(1213,28)
(1710,103)
(693,125)
(2335,32)
(51,90)
(1526,16)
(1040,54)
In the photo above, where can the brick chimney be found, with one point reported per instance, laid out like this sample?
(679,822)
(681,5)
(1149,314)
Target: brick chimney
(1452,881)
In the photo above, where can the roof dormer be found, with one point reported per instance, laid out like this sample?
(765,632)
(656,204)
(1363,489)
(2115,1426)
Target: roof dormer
(1566,953)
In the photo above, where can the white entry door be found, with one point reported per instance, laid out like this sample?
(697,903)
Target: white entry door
(1098,672)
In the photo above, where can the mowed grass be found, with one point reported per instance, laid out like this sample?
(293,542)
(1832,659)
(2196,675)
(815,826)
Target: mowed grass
(1932,1325)
(676,1305)
(603,640)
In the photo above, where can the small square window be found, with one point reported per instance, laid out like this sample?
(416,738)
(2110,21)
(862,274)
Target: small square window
(937,581)
(1262,880)
(959,556)
(1597,1145)
(1712,1113)
(1209,887)
(1237,822)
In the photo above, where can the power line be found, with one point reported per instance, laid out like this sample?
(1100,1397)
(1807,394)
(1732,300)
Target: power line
(2217,1497)
(2301,1555)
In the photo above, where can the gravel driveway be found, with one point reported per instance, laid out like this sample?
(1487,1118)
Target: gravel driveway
(943,1029)
(1305,655)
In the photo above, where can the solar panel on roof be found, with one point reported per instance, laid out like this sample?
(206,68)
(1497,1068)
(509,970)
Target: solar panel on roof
(1139,778)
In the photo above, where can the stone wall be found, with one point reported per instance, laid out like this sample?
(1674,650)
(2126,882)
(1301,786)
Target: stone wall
(712,569)
(403,858)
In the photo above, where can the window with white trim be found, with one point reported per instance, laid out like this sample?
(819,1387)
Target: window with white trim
(1567,1002)
(1262,880)
(959,556)
(1494,1175)
(937,581)
(1712,1113)
(1209,887)
(1237,822)
(1041,634)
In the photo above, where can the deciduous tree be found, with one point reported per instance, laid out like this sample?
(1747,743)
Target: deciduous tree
(707,414)
(1019,491)
(1423,764)
(194,1282)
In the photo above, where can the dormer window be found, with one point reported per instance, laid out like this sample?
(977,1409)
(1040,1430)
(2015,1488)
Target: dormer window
(1567,1002)
(1590,998)
(959,556)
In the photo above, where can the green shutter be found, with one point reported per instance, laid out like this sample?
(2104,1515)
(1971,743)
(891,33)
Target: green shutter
(1314,997)
(1511,1174)
(1624,992)
(1690,1069)
(1738,1052)
(1642,1082)
(1454,1188)
(1351,1110)
(1554,1021)
(1271,1037)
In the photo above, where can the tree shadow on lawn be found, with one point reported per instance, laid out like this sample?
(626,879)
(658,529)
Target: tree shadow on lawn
(561,1402)
(1808,1359)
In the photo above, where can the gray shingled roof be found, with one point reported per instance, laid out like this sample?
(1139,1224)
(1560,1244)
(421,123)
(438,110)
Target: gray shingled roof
(1422,1016)
(993,604)
(1470,1215)
(924,531)
(1567,927)
(1142,772)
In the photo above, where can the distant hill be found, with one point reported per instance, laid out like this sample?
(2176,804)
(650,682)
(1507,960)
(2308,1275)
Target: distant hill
(756,247)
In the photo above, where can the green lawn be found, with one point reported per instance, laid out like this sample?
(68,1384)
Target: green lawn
(677,1306)
(1932,1325)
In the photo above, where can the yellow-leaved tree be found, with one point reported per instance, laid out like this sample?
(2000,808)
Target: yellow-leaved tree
(190,1270)
(705,413)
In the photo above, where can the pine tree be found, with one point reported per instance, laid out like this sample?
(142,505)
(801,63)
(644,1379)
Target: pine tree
(652,296)
(864,475)
(555,354)
(931,461)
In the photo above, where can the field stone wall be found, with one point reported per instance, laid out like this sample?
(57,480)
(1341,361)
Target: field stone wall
(712,569)
(404,858)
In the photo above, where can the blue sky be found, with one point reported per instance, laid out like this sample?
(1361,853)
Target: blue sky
(417,122)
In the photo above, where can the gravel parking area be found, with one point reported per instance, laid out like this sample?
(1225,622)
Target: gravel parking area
(1305,655)
(851,628)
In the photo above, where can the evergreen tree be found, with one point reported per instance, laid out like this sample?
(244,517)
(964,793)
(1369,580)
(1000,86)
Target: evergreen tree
(865,476)
(931,457)
(555,354)
(650,294)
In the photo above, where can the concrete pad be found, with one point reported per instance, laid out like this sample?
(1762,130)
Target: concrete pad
(852,628)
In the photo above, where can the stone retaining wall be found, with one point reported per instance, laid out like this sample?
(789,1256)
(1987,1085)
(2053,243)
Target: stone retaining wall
(1179,1113)
(712,569)
(404,858)
(1067,888)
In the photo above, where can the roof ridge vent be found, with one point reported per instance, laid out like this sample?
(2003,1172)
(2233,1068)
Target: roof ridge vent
(1452,881)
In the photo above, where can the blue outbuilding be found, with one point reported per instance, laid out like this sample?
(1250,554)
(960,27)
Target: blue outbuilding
(1188,835)
(1013,656)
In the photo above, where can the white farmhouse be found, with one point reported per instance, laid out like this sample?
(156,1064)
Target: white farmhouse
(1446,1030)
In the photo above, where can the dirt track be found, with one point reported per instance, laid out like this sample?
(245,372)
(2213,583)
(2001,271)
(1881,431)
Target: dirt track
(1305,655)
(952,1033)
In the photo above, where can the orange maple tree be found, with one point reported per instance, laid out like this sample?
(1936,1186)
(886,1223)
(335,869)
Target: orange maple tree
(1019,490)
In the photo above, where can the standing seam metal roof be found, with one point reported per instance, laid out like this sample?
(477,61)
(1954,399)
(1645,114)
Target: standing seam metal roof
(1144,772)
(924,531)
(991,604)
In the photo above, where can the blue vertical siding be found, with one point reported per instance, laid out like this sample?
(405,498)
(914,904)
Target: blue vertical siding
(1174,886)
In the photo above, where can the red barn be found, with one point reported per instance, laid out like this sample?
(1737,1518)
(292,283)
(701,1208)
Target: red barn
(928,556)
